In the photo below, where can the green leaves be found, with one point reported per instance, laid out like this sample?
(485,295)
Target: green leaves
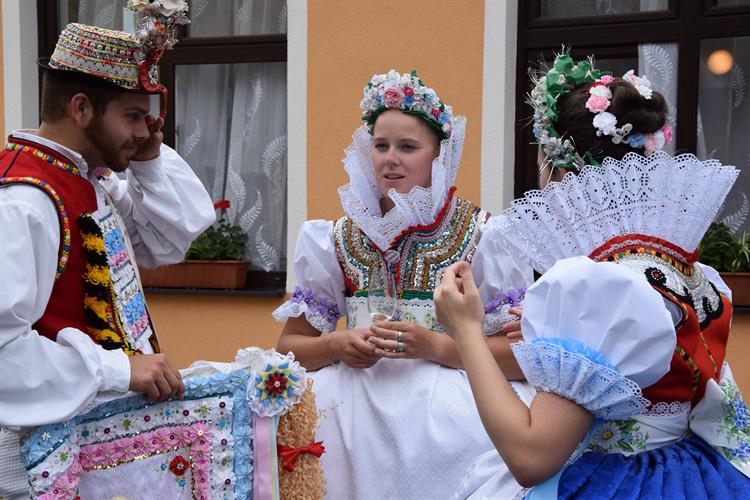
(722,251)
(223,241)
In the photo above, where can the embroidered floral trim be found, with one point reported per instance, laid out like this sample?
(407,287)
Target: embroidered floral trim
(213,420)
(319,312)
(64,252)
(664,409)
(103,324)
(623,436)
(735,424)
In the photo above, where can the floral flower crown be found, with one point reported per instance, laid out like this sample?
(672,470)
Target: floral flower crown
(606,123)
(407,93)
(564,76)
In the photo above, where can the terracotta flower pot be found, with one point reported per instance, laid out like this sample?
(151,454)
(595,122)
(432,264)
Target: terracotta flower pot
(739,283)
(217,274)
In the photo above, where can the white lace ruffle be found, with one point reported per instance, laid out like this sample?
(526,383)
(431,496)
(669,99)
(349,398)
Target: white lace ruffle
(598,388)
(635,195)
(494,320)
(360,198)
(290,309)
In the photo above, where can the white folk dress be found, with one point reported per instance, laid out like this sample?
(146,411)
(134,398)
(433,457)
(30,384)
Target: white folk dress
(404,428)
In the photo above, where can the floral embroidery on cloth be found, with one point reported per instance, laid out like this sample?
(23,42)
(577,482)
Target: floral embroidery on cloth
(619,435)
(200,447)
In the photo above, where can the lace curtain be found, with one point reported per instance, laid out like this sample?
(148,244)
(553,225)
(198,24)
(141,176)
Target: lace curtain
(723,122)
(230,118)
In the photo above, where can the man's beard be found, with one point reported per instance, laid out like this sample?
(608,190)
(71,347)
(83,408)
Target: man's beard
(110,152)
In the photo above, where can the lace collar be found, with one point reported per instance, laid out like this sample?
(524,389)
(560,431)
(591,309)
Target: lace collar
(670,198)
(360,198)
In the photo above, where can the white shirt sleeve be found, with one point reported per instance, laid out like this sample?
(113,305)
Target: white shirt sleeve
(501,278)
(595,333)
(42,381)
(320,293)
(165,207)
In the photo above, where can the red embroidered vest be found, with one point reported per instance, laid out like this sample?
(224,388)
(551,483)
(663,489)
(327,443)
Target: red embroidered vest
(25,162)
(702,333)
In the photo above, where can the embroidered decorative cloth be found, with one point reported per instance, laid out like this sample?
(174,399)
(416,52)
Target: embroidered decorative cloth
(204,446)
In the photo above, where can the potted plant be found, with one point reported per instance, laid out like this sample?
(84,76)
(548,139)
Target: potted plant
(216,259)
(731,257)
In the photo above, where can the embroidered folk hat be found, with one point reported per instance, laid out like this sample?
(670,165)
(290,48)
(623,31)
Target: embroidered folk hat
(126,60)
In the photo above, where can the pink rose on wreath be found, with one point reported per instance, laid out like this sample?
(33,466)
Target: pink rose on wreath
(649,144)
(667,131)
(606,79)
(597,103)
(392,97)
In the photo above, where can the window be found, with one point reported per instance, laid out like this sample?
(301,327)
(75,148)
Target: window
(227,109)
(696,53)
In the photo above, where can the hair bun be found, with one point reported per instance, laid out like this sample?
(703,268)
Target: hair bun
(629,106)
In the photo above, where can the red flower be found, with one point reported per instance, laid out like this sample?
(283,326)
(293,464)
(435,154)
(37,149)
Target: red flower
(222,204)
(179,465)
(436,112)
(276,384)
(408,91)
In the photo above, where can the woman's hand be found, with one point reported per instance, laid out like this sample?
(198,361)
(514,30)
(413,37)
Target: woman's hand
(404,339)
(457,303)
(512,329)
(352,347)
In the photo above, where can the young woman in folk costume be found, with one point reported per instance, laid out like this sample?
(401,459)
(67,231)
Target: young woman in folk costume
(625,334)
(400,422)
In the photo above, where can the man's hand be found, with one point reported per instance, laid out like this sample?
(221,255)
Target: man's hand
(154,376)
(149,149)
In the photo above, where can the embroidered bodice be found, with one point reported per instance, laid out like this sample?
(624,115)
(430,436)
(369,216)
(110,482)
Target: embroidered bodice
(422,254)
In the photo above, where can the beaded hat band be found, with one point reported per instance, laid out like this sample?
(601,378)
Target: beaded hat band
(126,60)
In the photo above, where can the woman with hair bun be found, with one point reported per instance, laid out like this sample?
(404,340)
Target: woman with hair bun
(625,333)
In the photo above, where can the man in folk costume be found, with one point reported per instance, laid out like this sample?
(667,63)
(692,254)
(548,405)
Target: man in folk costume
(74,327)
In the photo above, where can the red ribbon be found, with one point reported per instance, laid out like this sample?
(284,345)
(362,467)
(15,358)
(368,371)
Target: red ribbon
(290,455)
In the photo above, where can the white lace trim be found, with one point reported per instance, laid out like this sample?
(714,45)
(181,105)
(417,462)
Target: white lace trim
(290,309)
(664,409)
(496,319)
(598,388)
(360,198)
(635,195)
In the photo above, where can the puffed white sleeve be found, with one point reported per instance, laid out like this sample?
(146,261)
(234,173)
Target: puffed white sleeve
(319,294)
(595,333)
(164,205)
(501,278)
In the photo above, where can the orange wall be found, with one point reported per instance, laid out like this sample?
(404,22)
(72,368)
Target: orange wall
(738,352)
(192,327)
(443,41)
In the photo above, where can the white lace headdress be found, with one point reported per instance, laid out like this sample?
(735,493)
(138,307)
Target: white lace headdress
(671,198)
(360,198)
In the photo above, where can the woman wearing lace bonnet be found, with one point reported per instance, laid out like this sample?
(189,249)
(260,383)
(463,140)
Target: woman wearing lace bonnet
(625,333)
(399,421)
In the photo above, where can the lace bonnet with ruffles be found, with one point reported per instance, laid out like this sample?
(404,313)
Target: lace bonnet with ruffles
(360,198)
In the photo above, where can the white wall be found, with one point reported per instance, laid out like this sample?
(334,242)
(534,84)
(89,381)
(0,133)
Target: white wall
(498,104)
(296,129)
(20,75)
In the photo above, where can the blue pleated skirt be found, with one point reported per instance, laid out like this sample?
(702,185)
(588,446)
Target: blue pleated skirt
(688,469)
